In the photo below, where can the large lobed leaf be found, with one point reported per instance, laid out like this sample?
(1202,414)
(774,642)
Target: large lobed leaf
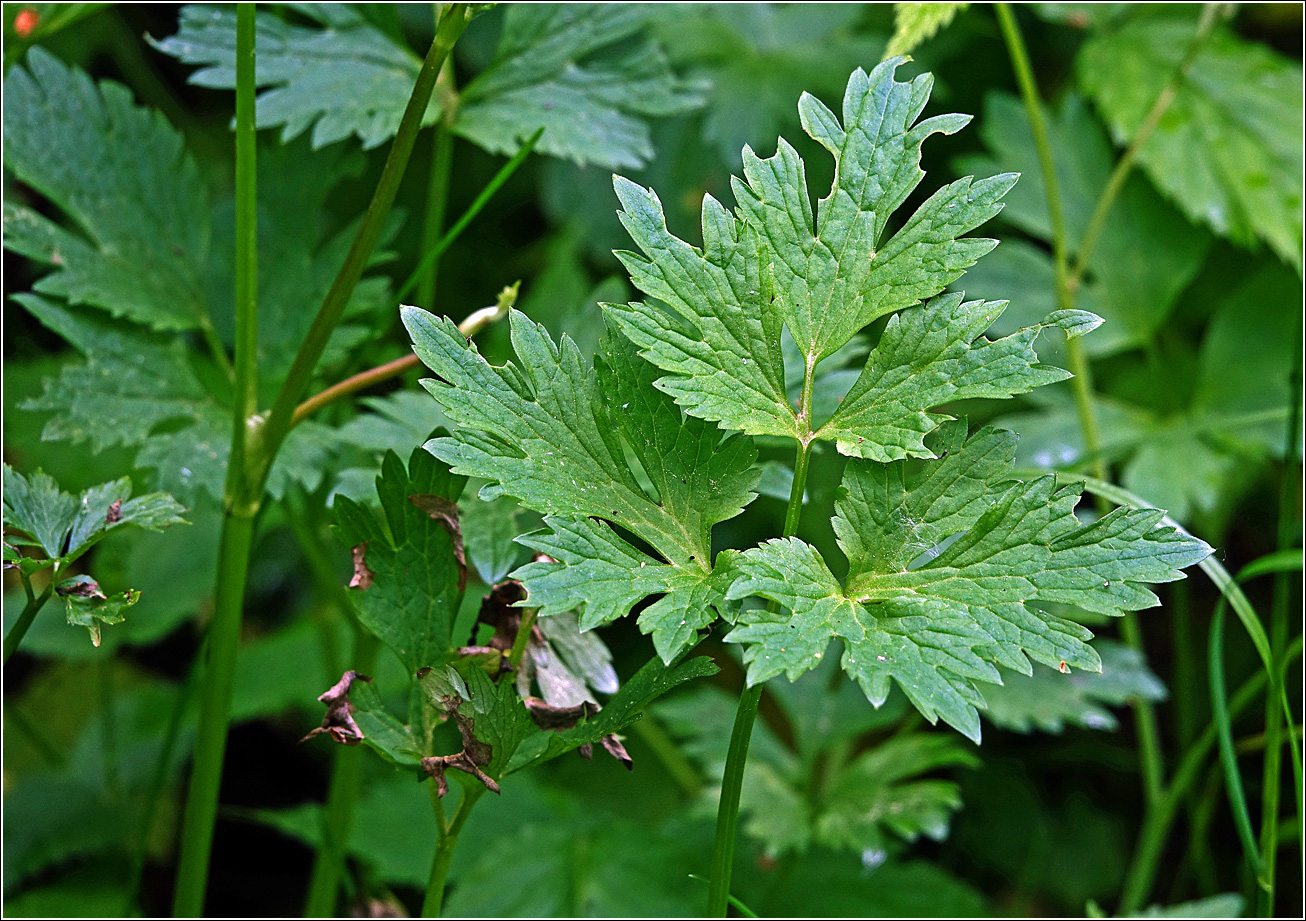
(776,266)
(947,569)
(593,448)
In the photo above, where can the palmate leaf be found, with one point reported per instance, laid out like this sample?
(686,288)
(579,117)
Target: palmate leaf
(773,266)
(555,67)
(138,206)
(574,443)
(1047,699)
(946,571)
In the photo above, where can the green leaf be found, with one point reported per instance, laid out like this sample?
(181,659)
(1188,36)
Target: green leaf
(489,533)
(572,443)
(137,210)
(138,389)
(1047,700)
(775,266)
(556,67)
(914,23)
(343,77)
(946,570)
(931,355)
(89,607)
(66,526)
(409,575)
(628,705)
(1228,150)
(883,791)
(1133,283)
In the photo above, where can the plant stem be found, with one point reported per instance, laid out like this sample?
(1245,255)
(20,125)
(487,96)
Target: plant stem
(255,445)
(475,322)
(210,744)
(523,636)
(280,420)
(1156,823)
(434,899)
(19,630)
(241,500)
(342,800)
(437,200)
(1289,518)
(673,759)
(1149,737)
(732,783)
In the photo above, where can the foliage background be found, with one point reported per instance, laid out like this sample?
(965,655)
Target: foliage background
(1048,820)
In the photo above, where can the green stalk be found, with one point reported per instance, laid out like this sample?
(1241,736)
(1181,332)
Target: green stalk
(255,445)
(434,899)
(342,800)
(1273,764)
(732,783)
(19,630)
(1228,757)
(211,741)
(241,507)
(279,421)
(523,636)
(1082,383)
(437,200)
(1156,823)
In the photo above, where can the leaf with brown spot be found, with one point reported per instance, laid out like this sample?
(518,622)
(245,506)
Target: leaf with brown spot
(445,513)
(339,720)
(363,576)
(414,559)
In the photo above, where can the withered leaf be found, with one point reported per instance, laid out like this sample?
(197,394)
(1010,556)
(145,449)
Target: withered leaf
(362,575)
(471,759)
(445,512)
(85,588)
(547,717)
(339,720)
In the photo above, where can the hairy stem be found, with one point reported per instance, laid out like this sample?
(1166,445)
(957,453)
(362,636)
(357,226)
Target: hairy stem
(434,899)
(241,508)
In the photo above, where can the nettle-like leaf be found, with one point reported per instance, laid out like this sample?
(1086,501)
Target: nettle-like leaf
(122,176)
(1228,151)
(556,67)
(343,77)
(594,449)
(1048,699)
(150,388)
(773,267)
(409,575)
(947,568)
